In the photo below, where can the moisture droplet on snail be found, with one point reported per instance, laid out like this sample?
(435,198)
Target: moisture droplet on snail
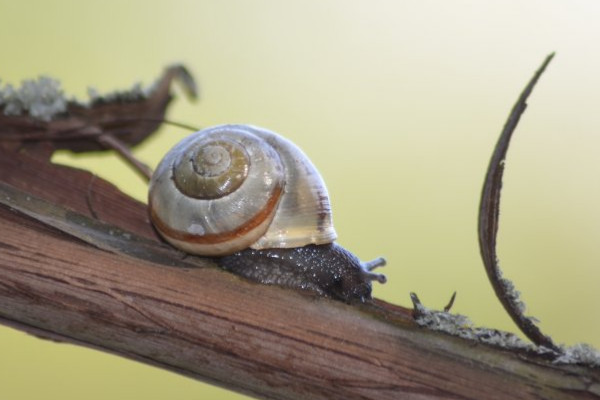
(253,200)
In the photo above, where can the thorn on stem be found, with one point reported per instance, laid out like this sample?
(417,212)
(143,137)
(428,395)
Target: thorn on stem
(450,303)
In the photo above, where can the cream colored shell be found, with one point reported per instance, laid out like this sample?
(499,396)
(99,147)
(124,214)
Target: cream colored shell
(274,197)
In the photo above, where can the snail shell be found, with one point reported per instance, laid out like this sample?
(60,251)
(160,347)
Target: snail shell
(230,187)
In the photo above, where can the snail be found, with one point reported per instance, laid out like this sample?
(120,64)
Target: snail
(254,201)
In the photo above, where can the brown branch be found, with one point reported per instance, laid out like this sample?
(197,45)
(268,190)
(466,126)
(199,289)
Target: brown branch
(110,284)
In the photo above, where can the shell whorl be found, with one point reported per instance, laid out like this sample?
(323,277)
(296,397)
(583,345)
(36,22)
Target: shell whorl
(230,187)
(211,169)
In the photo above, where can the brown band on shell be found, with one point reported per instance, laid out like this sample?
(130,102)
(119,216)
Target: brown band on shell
(267,211)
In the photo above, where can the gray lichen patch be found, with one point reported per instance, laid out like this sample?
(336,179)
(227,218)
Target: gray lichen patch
(42,98)
(580,353)
(461,326)
(511,291)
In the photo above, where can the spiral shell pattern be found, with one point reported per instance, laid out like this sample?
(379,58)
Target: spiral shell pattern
(230,187)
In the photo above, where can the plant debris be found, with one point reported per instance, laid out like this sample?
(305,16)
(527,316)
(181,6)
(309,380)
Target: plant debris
(39,112)
(489,219)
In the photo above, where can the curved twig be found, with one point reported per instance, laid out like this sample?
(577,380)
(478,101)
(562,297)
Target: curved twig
(488,222)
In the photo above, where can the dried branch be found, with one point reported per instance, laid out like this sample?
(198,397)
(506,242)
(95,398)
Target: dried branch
(79,262)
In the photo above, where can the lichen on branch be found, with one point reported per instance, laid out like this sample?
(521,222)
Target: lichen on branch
(41,98)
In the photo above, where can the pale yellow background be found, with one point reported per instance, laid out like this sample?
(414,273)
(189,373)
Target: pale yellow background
(398,103)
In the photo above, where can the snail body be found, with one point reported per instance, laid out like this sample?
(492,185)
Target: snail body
(253,199)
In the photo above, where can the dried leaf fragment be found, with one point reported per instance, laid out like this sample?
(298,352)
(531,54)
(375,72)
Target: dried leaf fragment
(489,210)
(39,112)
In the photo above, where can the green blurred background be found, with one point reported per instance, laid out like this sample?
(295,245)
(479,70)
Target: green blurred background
(398,103)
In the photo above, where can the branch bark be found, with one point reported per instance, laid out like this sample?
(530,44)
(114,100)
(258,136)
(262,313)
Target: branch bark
(79,262)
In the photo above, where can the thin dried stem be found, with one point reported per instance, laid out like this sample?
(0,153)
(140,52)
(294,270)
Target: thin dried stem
(113,143)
